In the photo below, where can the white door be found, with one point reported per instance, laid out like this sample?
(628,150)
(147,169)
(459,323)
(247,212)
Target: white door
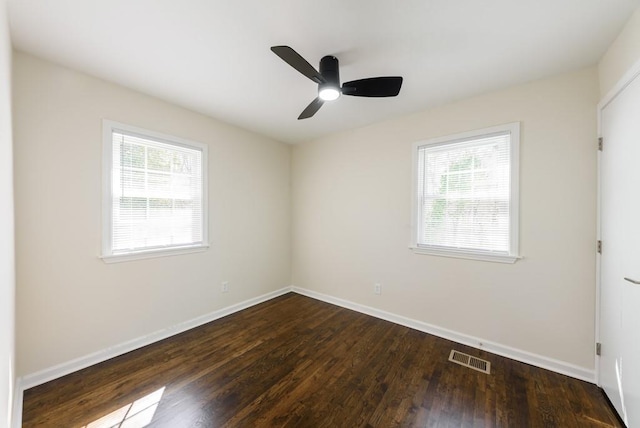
(620,234)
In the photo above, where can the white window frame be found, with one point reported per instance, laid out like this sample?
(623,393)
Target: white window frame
(108,127)
(514,197)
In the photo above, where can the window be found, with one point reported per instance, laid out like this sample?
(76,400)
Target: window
(466,195)
(154,194)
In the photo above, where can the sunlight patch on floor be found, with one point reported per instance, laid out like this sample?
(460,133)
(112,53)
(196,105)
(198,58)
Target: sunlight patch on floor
(137,414)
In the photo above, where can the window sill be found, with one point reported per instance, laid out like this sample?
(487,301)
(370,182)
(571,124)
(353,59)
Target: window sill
(152,254)
(485,257)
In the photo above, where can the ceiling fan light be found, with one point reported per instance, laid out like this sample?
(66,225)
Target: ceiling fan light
(329,93)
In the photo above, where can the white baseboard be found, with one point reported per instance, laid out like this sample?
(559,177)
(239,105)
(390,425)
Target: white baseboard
(46,375)
(475,342)
(43,376)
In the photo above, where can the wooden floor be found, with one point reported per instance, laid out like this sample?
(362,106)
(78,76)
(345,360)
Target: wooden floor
(295,361)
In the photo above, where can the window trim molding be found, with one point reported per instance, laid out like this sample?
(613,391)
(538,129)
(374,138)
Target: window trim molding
(152,254)
(514,197)
(108,126)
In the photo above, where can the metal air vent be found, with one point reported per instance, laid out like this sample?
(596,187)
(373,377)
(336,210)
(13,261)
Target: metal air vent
(466,360)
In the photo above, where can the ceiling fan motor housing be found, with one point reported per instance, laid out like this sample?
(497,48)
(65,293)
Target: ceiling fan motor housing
(330,71)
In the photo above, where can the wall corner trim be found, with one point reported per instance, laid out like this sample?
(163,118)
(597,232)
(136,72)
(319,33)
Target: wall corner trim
(475,342)
(16,412)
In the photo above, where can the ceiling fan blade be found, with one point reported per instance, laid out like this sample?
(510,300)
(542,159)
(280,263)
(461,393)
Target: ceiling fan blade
(311,109)
(373,87)
(296,61)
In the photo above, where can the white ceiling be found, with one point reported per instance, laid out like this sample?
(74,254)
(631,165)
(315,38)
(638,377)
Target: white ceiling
(213,56)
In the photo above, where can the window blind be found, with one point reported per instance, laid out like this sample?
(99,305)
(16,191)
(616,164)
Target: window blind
(464,194)
(156,194)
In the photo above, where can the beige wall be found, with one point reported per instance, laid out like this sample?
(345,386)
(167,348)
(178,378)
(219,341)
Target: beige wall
(623,53)
(70,303)
(6,226)
(352,210)
(351,214)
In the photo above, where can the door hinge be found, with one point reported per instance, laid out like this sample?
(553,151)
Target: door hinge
(600,143)
(599,247)
(598,348)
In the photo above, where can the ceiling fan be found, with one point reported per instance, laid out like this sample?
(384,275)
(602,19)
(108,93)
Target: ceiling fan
(328,80)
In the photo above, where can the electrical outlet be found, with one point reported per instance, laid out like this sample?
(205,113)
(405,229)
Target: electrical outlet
(377,288)
(225,287)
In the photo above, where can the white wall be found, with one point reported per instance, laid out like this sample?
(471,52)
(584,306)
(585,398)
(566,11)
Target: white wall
(621,55)
(352,209)
(7,282)
(70,303)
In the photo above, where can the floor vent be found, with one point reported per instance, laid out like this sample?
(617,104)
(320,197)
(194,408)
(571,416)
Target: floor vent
(469,361)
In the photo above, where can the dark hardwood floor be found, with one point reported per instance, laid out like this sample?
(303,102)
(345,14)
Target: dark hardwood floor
(295,361)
